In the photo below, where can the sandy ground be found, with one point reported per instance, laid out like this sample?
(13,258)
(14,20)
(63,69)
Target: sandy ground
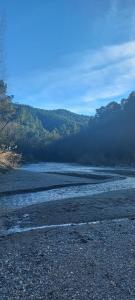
(80,262)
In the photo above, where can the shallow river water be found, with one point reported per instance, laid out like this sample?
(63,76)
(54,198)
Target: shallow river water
(18,201)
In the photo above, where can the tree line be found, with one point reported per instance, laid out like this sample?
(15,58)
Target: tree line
(108,138)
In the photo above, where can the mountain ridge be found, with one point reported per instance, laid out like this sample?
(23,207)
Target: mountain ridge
(32,129)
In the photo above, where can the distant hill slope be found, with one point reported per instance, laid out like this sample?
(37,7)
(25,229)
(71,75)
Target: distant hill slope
(33,128)
(63,121)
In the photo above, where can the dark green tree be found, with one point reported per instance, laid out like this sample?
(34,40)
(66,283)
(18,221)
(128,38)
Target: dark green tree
(7,112)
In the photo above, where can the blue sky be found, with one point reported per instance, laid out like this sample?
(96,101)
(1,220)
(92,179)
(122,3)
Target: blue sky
(73,54)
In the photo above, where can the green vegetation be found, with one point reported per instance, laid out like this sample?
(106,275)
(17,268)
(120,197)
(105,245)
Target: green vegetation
(6,107)
(32,129)
(8,157)
(109,138)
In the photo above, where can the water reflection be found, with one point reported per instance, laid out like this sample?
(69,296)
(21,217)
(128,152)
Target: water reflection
(63,167)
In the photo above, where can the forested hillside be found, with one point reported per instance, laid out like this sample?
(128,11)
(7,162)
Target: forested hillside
(109,138)
(33,129)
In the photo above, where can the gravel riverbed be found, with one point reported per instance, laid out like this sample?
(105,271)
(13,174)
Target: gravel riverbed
(94,261)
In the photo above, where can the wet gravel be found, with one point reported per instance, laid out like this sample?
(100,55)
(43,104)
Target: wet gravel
(94,261)
(21,181)
(105,206)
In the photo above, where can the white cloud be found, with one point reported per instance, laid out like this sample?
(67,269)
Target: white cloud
(96,75)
